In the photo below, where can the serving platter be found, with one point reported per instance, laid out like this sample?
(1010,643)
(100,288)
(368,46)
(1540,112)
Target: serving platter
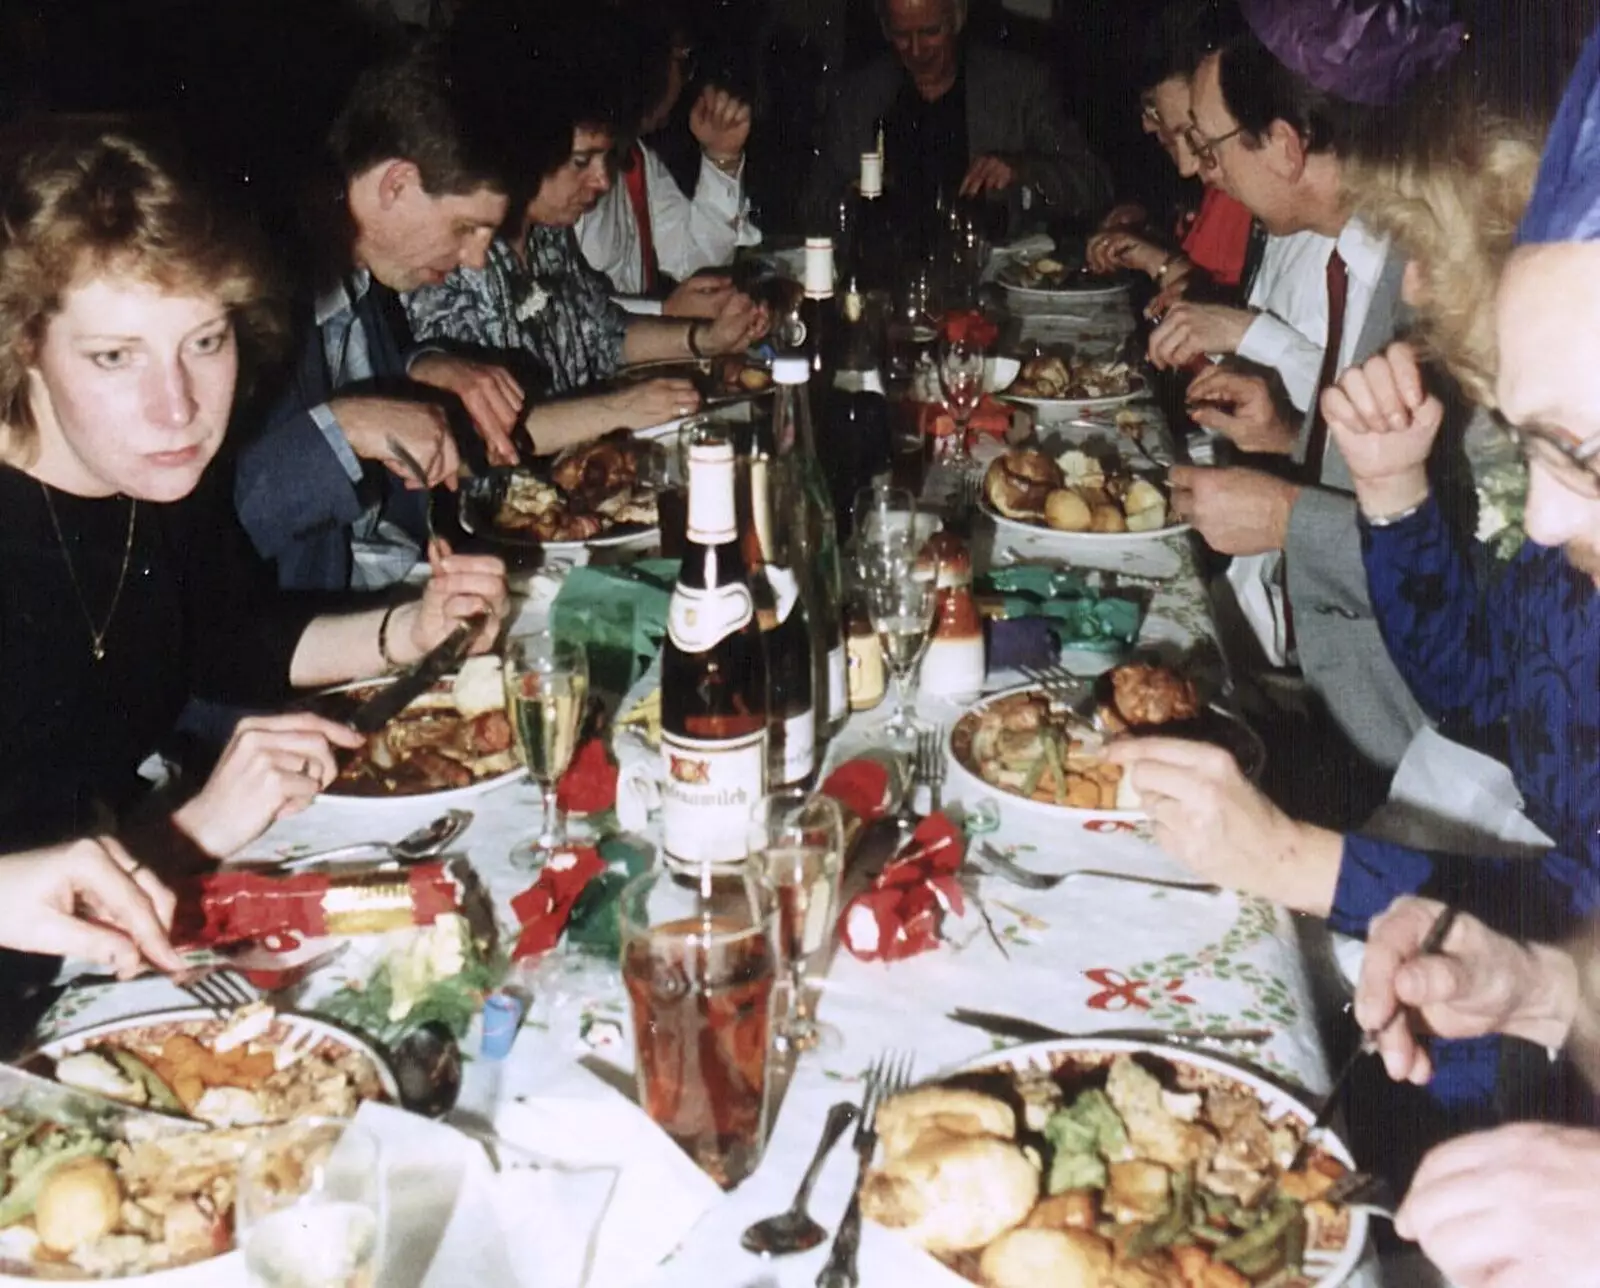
(1071,406)
(1079,1062)
(1082,286)
(478,502)
(725,379)
(1215,724)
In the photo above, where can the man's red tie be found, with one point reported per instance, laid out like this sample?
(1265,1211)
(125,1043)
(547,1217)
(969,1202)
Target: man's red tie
(640,200)
(1338,292)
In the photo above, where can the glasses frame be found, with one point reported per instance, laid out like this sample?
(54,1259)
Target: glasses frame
(1204,147)
(1576,466)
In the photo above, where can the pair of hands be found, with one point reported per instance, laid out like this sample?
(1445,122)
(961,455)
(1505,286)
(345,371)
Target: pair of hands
(1213,820)
(274,766)
(651,402)
(87,899)
(1188,332)
(1237,511)
(987,173)
(1513,1207)
(491,395)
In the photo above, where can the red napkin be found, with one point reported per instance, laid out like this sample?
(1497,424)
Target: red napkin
(901,914)
(543,908)
(991,416)
(861,787)
(590,783)
(233,905)
(970,325)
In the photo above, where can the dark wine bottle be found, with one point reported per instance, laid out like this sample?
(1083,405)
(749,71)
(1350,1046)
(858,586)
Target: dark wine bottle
(815,336)
(770,543)
(810,508)
(713,679)
(854,432)
(875,250)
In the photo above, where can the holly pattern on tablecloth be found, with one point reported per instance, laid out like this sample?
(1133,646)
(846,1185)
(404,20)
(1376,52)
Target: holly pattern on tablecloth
(1164,989)
(71,1004)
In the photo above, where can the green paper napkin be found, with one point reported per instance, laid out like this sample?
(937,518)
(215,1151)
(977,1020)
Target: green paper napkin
(1081,616)
(593,926)
(619,613)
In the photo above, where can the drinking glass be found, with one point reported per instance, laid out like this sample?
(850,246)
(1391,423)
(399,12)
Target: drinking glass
(310,1206)
(901,597)
(547,685)
(797,847)
(699,964)
(961,378)
(883,515)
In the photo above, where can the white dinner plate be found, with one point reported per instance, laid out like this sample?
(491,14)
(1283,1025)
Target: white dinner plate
(446,796)
(1071,406)
(1087,292)
(1066,542)
(227,1267)
(1326,1267)
(969,787)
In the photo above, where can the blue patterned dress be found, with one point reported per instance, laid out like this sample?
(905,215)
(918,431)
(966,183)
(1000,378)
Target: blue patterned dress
(556,308)
(1524,650)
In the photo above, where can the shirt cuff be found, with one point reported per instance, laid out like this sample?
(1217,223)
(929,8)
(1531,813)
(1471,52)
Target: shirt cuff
(324,419)
(1372,875)
(640,305)
(1272,342)
(422,351)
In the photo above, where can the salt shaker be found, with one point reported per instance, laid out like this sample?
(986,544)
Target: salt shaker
(953,666)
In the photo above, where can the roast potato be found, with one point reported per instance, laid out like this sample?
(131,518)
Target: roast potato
(1066,511)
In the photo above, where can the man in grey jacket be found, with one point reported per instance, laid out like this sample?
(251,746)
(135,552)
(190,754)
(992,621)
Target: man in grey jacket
(958,119)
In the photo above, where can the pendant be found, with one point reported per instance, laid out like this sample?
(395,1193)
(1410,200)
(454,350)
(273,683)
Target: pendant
(99,652)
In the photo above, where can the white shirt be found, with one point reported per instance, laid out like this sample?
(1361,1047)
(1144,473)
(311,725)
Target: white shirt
(1301,275)
(689,234)
(1291,326)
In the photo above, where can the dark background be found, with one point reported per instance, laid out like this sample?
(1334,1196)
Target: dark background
(253,82)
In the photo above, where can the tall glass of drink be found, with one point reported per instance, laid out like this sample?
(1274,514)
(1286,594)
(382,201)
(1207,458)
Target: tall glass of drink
(547,687)
(310,1207)
(797,848)
(699,963)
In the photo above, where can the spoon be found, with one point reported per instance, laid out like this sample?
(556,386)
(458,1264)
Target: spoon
(795,1230)
(425,843)
(427,1068)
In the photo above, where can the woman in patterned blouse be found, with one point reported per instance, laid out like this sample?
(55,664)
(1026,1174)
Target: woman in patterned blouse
(538,305)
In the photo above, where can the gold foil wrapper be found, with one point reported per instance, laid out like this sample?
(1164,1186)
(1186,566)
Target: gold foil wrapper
(368,907)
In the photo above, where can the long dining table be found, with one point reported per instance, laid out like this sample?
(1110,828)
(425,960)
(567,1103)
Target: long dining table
(1089,954)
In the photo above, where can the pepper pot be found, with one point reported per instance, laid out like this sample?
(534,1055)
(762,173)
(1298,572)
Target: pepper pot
(953,666)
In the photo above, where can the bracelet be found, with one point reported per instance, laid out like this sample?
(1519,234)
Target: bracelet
(728,165)
(692,337)
(1166,266)
(383,639)
(1399,516)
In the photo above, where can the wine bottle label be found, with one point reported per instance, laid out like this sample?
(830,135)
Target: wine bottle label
(867,678)
(785,591)
(838,684)
(708,789)
(697,620)
(799,747)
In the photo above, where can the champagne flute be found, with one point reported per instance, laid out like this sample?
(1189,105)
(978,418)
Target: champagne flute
(797,847)
(901,598)
(961,378)
(883,516)
(547,684)
(310,1206)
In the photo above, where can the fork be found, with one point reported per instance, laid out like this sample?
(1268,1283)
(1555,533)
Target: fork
(217,988)
(888,1077)
(994,861)
(1077,694)
(1364,1192)
(419,473)
(931,766)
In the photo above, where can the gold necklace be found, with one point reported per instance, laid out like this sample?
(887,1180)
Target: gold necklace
(98,636)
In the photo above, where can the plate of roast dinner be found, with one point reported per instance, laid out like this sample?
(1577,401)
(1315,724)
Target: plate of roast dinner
(1044,756)
(1047,276)
(452,741)
(1098,1162)
(136,1199)
(1054,382)
(1076,497)
(599,494)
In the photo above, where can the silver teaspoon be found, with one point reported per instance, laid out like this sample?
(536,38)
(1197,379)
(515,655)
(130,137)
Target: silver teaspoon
(794,1230)
(426,842)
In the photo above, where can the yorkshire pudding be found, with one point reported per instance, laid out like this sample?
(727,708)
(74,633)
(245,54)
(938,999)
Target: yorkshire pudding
(1018,483)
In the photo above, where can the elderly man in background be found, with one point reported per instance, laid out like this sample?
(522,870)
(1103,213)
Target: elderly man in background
(643,232)
(959,119)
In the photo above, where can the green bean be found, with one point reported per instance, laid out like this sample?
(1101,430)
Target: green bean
(1031,783)
(1264,1237)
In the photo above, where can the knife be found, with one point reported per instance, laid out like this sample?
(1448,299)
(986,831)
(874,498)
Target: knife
(438,661)
(1010,1026)
(51,1101)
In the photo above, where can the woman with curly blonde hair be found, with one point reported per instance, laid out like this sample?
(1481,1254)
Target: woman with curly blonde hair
(1449,188)
(126,585)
